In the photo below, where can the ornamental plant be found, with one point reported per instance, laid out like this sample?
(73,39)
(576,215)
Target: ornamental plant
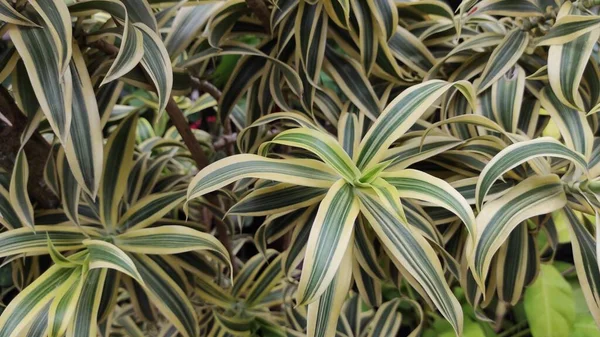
(312,168)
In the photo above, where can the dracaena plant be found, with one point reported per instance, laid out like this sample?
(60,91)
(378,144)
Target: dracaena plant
(350,178)
(380,156)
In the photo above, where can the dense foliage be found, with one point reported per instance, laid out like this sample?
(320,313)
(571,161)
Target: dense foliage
(299,168)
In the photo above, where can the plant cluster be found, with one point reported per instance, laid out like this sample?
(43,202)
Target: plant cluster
(319,168)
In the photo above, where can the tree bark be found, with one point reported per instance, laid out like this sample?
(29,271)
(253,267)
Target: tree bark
(37,150)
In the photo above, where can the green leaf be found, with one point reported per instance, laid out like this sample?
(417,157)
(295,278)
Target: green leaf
(549,304)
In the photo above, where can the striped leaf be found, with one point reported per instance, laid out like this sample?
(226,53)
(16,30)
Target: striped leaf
(150,209)
(303,172)
(586,262)
(10,15)
(533,196)
(387,320)
(37,49)
(70,190)
(411,51)
(513,8)
(186,26)
(118,160)
(105,255)
(264,283)
(167,296)
(19,197)
(348,132)
(83,149)
(572,124)
(58,20)
(507,98)
(277,199)
(566,63)
(349,76)
(329,238)
(400,115)
(323,314)
(64,304)
(324,146)
(504,56)
(30,301)
(34,242)
(518,153)
(296,251)
(512,265)
(411,252)
(367,32)
(132,47)
(140,11)
(169,239)
(568,28)
(419,185)
(157,64)
(85,322)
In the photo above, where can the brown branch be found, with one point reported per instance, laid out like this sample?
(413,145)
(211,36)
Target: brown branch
(259,8)
(37,150)
(207,87)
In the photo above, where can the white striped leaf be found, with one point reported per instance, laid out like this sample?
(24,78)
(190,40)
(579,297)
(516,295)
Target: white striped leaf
(37,49)
(411,252)
(303,172)
(34,242)
(30,301)
(157,64)
(328,241)
(419,185)
(277,199)
(586,262)
(10,15)
(64,304)
(519,153)
(85,322)
(323,314)
(567,62)
(400,115)
(105,255)
(324,146)
(168,240)
(83,149)
(58,20)
(497,219)
(150,209)
(118,160)
(167,296)
(568,28)
(572,124)
(19,196)
(504,56)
